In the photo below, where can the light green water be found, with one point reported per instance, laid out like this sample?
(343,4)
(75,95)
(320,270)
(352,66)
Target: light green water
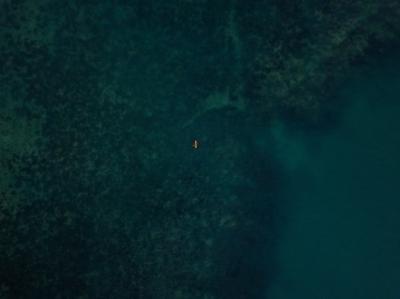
(342,235)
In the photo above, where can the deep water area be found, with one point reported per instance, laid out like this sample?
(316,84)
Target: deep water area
(199,149)
(342,238)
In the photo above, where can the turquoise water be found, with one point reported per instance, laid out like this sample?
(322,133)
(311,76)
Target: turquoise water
(341,237)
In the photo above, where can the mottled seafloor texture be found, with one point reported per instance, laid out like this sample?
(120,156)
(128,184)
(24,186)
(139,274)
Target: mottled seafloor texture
(292,193)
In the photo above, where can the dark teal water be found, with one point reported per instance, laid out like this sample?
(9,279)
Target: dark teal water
(103,196)
(342,236)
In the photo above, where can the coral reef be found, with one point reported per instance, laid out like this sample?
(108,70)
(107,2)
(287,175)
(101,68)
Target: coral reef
(102,195)
(301,49)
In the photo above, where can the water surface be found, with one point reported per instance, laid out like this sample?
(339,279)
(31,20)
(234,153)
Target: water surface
(342,235)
